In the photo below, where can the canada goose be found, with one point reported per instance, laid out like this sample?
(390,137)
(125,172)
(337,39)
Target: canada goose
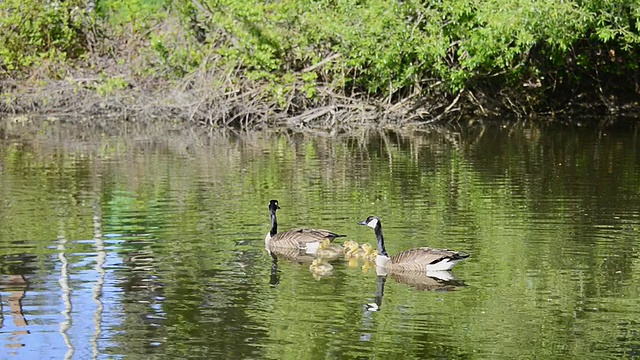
(306,239)
(420,259)
(320,267)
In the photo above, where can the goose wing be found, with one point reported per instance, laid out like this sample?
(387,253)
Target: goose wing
(298,238)
(418,259)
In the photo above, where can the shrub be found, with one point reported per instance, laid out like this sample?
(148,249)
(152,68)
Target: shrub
(32,31)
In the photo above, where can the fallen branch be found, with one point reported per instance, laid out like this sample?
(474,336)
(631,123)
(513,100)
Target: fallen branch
(322,62)
(447,110)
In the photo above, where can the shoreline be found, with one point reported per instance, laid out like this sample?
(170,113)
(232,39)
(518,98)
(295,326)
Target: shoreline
(245,110)
(304,67)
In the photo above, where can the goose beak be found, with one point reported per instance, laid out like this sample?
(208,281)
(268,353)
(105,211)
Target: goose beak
(362,223)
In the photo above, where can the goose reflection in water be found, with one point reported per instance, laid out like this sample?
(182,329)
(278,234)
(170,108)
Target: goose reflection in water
(13,281)
(431,281)
(16,285)
(274,278)
(319,265)
(296,256)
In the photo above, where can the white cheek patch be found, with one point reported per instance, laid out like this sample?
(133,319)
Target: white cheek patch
(373,223)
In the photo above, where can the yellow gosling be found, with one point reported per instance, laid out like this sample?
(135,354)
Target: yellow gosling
(364,251)
(368,264)
(356,252)
(349,245)
(369,252)
(320,267)
(353,262)
(327,250)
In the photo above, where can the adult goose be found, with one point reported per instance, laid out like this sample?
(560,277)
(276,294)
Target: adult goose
(304,239)
(421,259)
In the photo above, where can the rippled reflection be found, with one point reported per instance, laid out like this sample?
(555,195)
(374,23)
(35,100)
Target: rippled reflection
(143,245)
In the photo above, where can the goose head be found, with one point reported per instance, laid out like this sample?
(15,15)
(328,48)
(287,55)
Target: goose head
(375,223)
(372,222)
(273,205)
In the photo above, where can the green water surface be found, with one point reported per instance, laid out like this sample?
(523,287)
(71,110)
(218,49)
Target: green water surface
(145,244)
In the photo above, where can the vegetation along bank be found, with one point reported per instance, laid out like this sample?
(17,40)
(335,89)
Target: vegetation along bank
(323,63)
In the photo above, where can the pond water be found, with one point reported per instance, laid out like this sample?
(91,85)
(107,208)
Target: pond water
(143,243)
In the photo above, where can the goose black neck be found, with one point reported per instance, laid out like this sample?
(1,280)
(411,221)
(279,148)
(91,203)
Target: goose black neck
(381,249)
(274,223)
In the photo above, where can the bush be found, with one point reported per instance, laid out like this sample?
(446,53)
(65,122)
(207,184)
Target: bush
(33,31)
(377,47)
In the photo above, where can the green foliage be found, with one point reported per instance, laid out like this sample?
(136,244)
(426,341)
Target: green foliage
(377,47)
(175,55)
(136,13)
(34,31)
(109,84)
(309,87)
(617,21)
(499,36)
(387,46)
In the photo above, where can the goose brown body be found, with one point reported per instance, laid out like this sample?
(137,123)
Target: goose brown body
(299,238)
(422,258)
(307,239)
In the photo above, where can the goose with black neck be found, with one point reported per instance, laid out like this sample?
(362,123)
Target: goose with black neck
(423,259)
(308,240)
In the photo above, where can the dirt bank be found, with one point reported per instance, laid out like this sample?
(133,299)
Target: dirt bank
(75,99)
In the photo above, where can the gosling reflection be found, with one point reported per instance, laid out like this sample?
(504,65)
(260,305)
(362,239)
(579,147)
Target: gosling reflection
(356,254)
(431,281)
